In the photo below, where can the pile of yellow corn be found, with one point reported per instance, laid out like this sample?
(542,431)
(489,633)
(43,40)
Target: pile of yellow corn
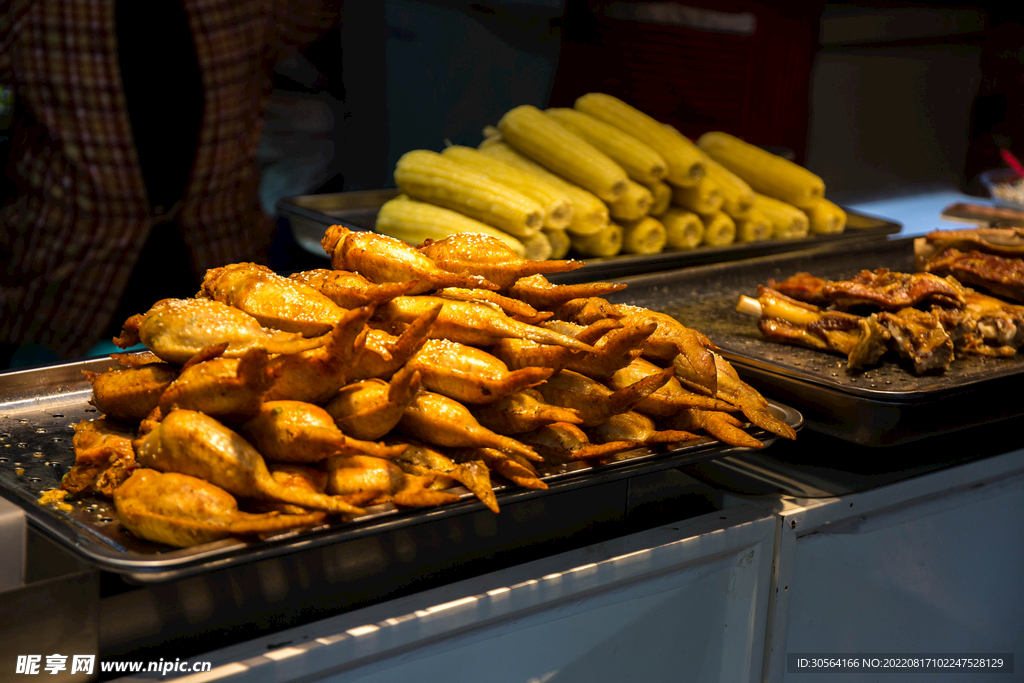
(604,178)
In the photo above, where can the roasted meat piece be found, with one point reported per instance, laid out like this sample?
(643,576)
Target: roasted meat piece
(803,287)
(918,336)
(996,274)
(986,326)
(104,457)
(893,291)
(1008,242)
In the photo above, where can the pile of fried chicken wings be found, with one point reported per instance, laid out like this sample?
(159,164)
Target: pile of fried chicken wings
(269,403)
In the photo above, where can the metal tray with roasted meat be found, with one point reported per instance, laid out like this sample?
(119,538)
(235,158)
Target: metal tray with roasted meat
(311,215)
(882,406)
(40,407)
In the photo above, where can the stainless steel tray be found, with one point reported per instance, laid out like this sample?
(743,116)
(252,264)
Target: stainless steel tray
(882,406)
(40,407)
(311,215)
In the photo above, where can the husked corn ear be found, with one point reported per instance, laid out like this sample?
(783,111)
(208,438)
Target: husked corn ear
(645,236)
(753,227)
(538,248)
(589,214)
(765,172)
(413,222)
(826,218)
(704,198)
(662,198)
(788,222)
(556,204)
(556,148)
(683,229)
(719,230)
(607,242)
(737,197)
(684,160)
(559,240)
(640,161)
(430,177)
(633,205)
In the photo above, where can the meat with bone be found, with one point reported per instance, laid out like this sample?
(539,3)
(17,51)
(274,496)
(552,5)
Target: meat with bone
(803,287)
(986,326)
(892,291)
(919,337)
(1001,276)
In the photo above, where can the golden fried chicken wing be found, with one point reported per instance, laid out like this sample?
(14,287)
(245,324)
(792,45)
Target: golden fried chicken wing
(184,511)
(595,402)
(195,444)
(724,427)
(129,394)
(104,457)
(351,290)
(669,398)
(381,258)
(564,442)
(371,408)
(488,257)
(277,302)
(298,432)
(229,389)
(521,412)
(514,308)
(537,291)
(177,329)
(515,468)
(385,353)
(363,474)
(468,374)
(740,394)
(420,459)
(442,421)
(632,426)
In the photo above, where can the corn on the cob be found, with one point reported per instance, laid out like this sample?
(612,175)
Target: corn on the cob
(753,227)
(826,218)
(662,198)
(589,215)
(788,222)
(719,230)
(645,236)
(633,205)
(640,161)
(607,242)
(765,172)
(538,248)
(685,161)
(556,148)
(737,197)
(559,241)
(704,198)
(683,229)
(413,222)
(556,204)
(430,177)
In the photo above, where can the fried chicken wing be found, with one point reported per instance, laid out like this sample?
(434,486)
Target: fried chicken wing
(724,427)
(293,477)
(615,350)
(668,398)
(384,353)
(385,259)
(229,389)
(195,444)
(177,329)
(371,408)
(422,460)
(104,458)
(537,291)
(594,402)
(294,431)
(488,257)
(740,394)
(468,374)
(514,308)
(521,412)
(637,428)
(316,375)
(277,302)
(515,468)
(523,353)
(351,290)
(363,474)
(441,421)
(563,442)
(129,394)
(471,323)
(184,511)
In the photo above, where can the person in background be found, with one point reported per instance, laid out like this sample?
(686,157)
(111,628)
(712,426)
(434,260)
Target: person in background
(133,162)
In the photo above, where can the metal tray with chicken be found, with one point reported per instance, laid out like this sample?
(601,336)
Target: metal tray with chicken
(271,411)
(867,347)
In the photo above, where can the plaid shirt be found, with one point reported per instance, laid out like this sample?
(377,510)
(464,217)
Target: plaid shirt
(71,235)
